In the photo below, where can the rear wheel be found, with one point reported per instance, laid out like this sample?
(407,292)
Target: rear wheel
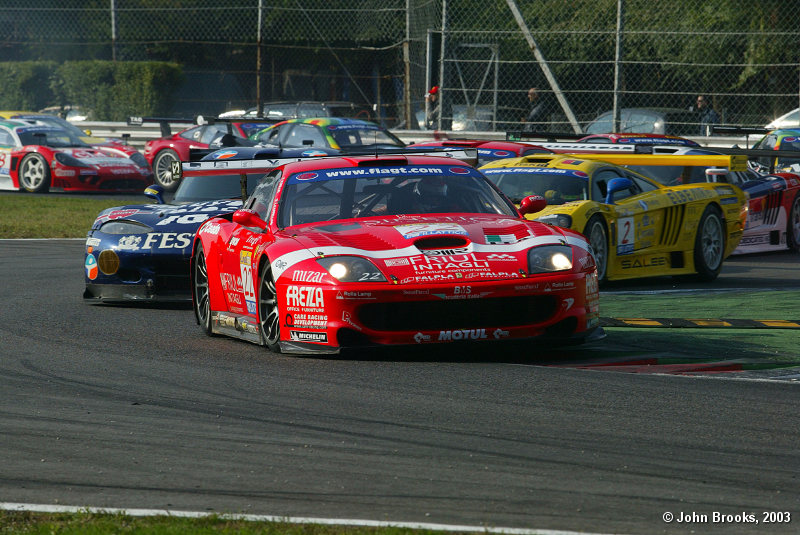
(709,244)
(597,235)
(162,169)
(793,225)
(268,314)
(200,295)
(34,174)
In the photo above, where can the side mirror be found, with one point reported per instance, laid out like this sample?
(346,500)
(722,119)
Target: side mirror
(155,192)
(532,204)
(615,185)
(248,218)
(716,174)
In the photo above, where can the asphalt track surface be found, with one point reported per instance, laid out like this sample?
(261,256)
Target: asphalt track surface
(125,407)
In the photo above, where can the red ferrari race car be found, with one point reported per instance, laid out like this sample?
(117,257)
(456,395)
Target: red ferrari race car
(488,151)
(162,152)
(355,251)
(36,156)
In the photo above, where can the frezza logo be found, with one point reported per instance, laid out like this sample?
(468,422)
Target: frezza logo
(91,266)
(459,170)
(307,176)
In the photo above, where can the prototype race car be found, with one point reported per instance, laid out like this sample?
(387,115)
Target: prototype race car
(328,132)
(787,139)
(162,152)
(488,151)
(37,156)
(141,252)
(637,227)
(357,251)
(639,139)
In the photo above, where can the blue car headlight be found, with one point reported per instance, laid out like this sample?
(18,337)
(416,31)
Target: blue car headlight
(125,227)
(549,258)
(351,269)
(559,220)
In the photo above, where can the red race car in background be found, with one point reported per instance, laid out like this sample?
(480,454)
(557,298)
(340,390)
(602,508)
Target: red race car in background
(488,151)
(37,156)
(161,152)
(358,251)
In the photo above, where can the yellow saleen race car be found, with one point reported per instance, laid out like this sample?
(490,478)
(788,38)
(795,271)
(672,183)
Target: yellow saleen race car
(636,226)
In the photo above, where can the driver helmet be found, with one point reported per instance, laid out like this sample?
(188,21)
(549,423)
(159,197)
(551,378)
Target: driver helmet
(432,189)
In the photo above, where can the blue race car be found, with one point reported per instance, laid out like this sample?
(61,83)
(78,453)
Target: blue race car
(141,252)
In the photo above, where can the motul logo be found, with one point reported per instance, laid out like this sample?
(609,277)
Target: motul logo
(464,334)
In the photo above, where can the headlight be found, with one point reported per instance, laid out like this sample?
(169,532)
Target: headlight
(139,160)
(71,161)
(352,269)
(125,227)
(559,220)
(549,258)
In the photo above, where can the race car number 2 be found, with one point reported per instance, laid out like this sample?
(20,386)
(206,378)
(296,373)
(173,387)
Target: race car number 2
(626,235)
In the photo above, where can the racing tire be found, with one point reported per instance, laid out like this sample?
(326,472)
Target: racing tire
(597,234)
(709,244)
(201,299)
(793,225)
(34,174)
(162,169)
(269,320)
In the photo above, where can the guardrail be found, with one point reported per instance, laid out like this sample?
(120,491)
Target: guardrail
(139,135)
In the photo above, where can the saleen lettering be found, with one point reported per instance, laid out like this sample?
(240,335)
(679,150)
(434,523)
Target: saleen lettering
(644,262)
(304,296)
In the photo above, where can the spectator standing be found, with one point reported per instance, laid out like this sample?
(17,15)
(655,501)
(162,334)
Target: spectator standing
(432,107)
(539,112)
(708,116)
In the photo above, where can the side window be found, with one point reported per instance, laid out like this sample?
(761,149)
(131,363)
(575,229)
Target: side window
(640,185)
(6,139)
(261,199)
(211,132)
(192,134)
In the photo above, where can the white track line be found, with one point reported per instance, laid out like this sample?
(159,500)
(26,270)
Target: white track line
(41,508)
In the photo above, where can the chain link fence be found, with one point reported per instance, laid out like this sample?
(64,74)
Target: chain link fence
(584,56)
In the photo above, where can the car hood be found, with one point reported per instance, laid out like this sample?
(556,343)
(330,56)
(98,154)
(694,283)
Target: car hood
(173,217)
(424,249)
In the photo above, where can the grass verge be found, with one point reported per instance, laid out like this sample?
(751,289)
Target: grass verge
(50,216)
(90,523)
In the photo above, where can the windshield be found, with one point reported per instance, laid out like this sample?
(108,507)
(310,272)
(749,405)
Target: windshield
(329,194)
(558,186)
(50,137)
(349,136)
(195,188)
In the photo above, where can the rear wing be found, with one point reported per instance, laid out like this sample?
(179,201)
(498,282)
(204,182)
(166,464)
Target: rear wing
(732,162)
(164,123)
(271,158)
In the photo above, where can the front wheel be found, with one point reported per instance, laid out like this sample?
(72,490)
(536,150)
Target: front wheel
(34,174)
(709,244)
(200,294)
(793,225)
(268,314)
(597,235)
(162,169)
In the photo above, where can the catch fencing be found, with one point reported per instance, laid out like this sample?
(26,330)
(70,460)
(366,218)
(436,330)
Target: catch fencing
(586,57)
